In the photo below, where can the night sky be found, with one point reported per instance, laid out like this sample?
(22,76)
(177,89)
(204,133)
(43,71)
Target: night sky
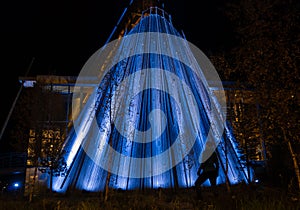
(62,35)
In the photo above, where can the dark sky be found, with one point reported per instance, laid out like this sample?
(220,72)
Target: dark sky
(62,35)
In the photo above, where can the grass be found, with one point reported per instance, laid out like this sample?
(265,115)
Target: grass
(240,197)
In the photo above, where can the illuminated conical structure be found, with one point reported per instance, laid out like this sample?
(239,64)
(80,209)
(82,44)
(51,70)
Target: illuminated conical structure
(91,165)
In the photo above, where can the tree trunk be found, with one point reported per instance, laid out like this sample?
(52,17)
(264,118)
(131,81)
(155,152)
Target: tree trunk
(296,166)
(110,144)
(31,190)
(294,158)
(226,169)
(107,187)
(51,180)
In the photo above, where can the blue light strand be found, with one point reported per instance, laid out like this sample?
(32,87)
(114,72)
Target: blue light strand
(86,175)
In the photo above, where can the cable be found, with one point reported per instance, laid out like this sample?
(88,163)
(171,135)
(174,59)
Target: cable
(15,101)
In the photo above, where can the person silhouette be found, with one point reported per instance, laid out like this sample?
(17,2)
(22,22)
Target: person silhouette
(209,169)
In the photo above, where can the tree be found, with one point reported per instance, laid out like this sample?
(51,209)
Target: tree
(51,159)
(40,130)
(267,60)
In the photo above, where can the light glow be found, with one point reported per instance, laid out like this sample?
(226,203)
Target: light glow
(86,147)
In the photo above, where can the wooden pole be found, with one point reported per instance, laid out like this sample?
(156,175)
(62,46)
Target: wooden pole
(15,101)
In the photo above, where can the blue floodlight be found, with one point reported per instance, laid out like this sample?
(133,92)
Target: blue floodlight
(110,151)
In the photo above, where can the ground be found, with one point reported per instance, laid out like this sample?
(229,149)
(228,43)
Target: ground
(220,197)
